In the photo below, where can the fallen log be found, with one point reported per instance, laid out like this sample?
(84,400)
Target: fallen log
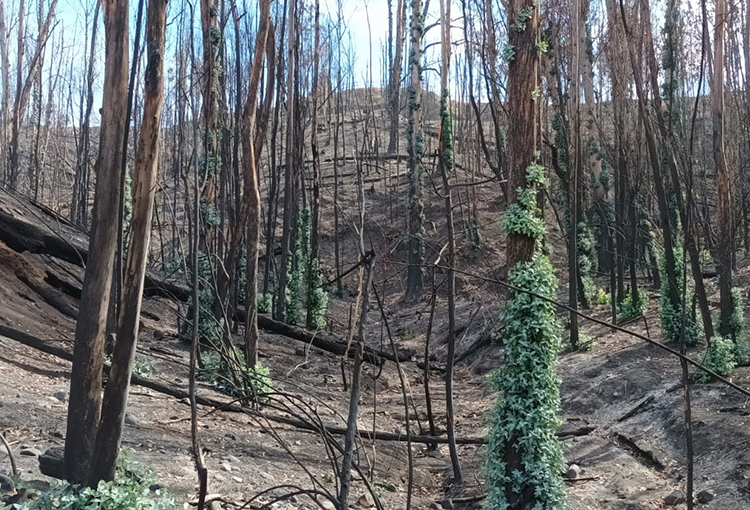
(22,235)
(321,340)
(41,345)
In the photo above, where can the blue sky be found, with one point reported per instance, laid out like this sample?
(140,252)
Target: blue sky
(74,26)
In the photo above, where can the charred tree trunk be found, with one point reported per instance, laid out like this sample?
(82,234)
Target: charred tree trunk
(109,435)
(251,202)
(394,86)
(290,171)
(86,378)
(724,180)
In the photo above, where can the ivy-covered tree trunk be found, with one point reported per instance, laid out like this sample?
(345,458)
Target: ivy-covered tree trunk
(415,136)
(211,135)
(447,167)
(289,170)
(670,294)
(574,177)
(313,270)
(524,458)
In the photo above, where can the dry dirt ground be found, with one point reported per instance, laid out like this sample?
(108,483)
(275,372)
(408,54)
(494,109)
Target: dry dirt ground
(624,390)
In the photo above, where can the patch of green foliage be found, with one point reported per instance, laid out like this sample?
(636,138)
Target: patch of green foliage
(737,323)
(298,274)
(671,316)
(522,18)
(631,308)
(210,214)
(474,235)
(317,304)
(208,328)
(265,303)
(128,491)
(719,358)
(525,417)
(234,377)
(602,298)
(305,283)
(586,259)
(141,366)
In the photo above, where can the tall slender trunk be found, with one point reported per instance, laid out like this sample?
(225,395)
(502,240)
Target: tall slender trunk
(79,206)
(23,85)
(351,424)
(447,167)
(724,178)
(575,170)
(211,137)
(115,401)
(5,84)
(315,206)
(290,170)
(394,86)
(653,151)
(88,355)
(415,135)
(251,202)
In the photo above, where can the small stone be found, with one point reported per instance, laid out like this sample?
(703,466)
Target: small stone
(366,501)
(573,472)
(29,451)
(226,467)
(218,477)
(674,499)
(231,436)
(155,487)
(131,420)
(62,396)
(327,505)
(237,479)
(235,460)
(705,497)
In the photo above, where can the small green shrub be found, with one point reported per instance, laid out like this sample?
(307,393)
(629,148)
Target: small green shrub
(142,366)
(238,380)
(630,309)
(719,358)
(602,298)
(317,305)
(300,276)
(128,491)
(737,323)
(671,316)
(586,260)
(407,333)
(265,303)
